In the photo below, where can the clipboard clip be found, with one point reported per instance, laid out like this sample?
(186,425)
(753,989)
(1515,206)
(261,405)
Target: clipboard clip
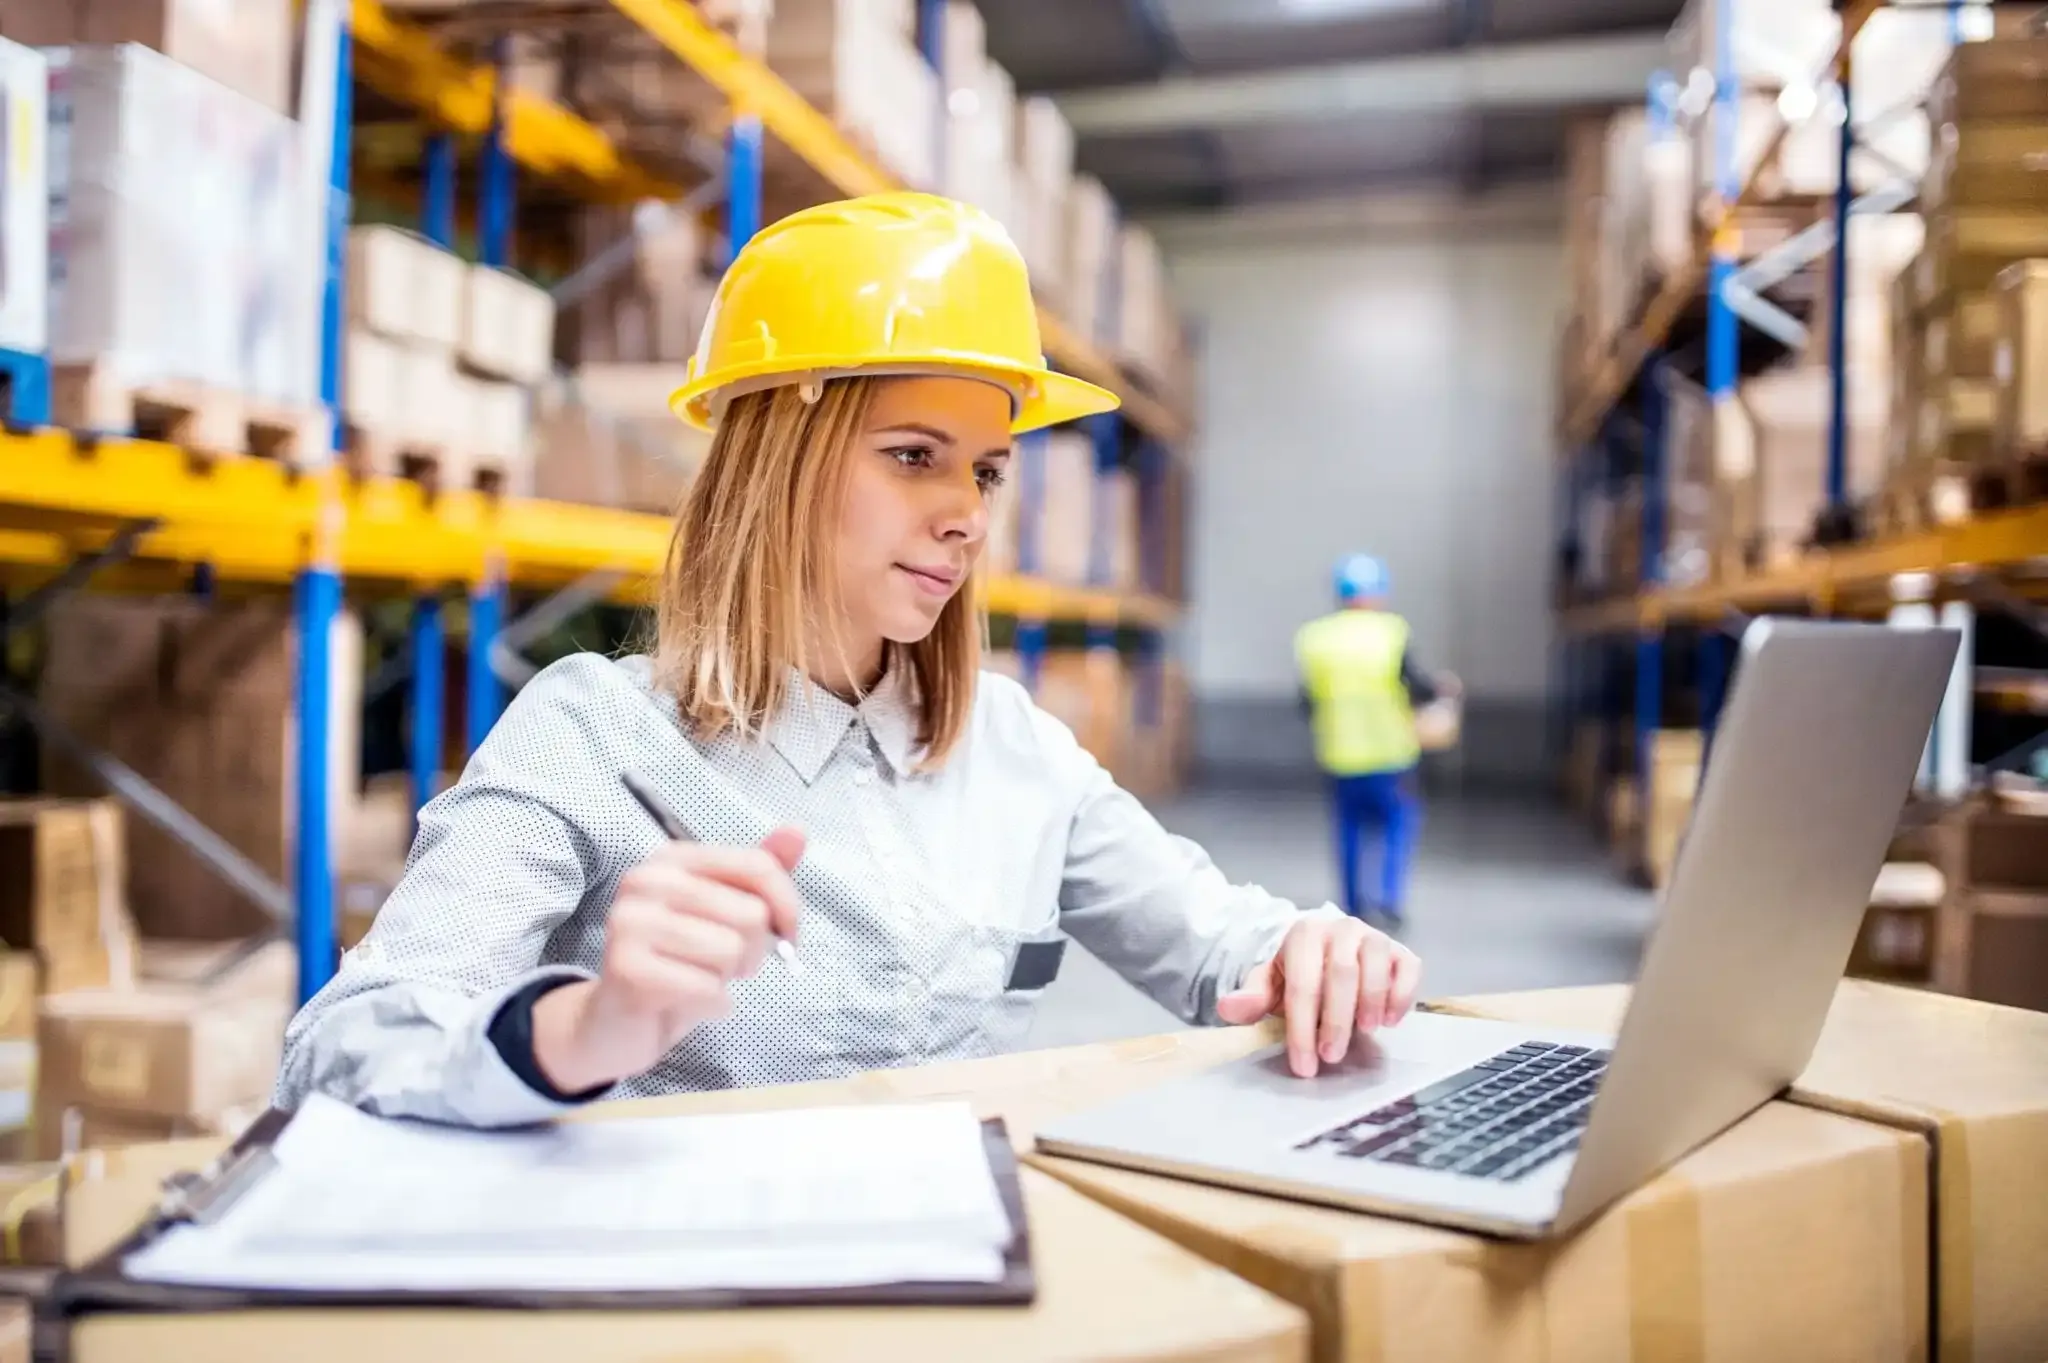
(203,1197)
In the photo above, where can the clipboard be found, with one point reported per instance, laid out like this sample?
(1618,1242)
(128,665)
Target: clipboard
(103,1287)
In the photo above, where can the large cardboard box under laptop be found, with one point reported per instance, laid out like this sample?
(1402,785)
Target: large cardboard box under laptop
(1107,1290)
(1972,1079)
(1797,1235)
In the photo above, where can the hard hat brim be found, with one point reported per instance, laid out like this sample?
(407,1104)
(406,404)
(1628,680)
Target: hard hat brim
(1048,398)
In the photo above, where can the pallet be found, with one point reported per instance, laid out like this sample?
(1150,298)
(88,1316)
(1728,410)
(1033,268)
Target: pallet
(208,423)
(434,466)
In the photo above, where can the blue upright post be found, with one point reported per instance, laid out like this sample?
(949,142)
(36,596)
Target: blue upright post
(1650,638)
(485,696)
(1030,484)
(437,208)
(1837,489)
(743,182)
(1106,433)
(437,224)
(28,388)
(931,40)
(317,593)
(1723,340)
(426,698)
(494,222)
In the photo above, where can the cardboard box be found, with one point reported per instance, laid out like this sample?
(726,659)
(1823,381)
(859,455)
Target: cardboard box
(25,209)
(36,1237)
(177,228)
(433,410)
(1090,258)
(404,288)
(20,982)
(1988,165)
(1066,521)
(1966,1078)
(1107,1290)
(2005,78)
(856,63)
(508,329)
(200,699)
(373,382)
(653,308)
(62,906)
(1796,1234)
(1966,249)
(499,433)
(244,45)
(2019,427)
(1961,341)
(1956,422)
(161,1051)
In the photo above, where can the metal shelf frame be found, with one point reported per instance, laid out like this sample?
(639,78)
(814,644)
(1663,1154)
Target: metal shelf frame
(1865,578)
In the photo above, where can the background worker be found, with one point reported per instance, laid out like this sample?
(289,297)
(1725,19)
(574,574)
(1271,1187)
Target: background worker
(814,711)
(1361,685)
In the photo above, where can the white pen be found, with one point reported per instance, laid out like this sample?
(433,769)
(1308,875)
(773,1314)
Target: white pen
(672,828)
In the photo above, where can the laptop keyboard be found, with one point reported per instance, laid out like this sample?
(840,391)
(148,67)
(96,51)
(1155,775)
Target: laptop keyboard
(1499,1119)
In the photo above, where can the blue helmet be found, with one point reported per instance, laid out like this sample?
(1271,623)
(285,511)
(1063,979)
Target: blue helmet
(1361,577)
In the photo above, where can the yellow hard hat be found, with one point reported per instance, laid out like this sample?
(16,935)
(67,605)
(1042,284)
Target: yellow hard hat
(890,283)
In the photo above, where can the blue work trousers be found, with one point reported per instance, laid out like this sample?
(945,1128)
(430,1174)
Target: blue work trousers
(1378,816)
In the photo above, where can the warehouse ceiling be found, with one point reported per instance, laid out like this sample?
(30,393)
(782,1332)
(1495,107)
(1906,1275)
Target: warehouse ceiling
(1208,103)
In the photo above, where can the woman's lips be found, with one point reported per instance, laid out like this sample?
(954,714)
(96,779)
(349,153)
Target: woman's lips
(936,581)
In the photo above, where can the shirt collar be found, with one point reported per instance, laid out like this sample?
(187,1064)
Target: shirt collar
(812,722)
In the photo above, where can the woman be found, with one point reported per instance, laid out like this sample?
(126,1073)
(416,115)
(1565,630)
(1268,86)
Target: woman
(815,713)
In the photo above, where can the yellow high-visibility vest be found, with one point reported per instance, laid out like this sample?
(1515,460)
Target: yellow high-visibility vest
(1350,663)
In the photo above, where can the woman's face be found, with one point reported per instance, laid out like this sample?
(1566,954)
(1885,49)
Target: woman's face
(925,470)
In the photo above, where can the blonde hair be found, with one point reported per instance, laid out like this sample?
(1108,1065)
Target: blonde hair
(751,568)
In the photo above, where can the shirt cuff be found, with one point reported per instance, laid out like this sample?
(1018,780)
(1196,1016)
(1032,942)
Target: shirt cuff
(487,1091)
(511,1035)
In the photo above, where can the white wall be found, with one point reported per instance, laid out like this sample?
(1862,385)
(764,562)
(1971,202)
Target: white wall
(1379,389)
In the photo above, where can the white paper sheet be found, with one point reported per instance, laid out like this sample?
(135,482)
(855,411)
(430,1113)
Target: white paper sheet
(819,1197)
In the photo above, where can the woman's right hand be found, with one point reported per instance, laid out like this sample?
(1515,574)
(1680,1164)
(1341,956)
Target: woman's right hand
(683,926)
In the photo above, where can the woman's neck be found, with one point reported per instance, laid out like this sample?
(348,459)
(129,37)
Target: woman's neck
(848,674)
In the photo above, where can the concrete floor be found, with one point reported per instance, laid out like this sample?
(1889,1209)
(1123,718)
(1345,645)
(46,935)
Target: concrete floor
(1503,896)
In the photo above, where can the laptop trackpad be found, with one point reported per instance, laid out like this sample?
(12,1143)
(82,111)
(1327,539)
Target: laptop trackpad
(1368,1066)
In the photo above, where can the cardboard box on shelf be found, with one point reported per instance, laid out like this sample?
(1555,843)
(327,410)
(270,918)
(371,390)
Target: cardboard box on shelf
(1045,146)
(1960,341)
(63,909)
(2020,364)
(1966,249)
(607,438)
(177,228)
(1962,1076)
(200,699)
(403,287)
(1882,246)
(1988,165)
(1144,324)
(855,64)
(1956,421)
(1771,460)
(373,382)
(1066,520)
(980,140)
(653,309)
(244,45)
(508,326)
(165,1054)
(432,408)
(1090,259)
(1991,930)
(1991,81)
(499,436)
(25,205)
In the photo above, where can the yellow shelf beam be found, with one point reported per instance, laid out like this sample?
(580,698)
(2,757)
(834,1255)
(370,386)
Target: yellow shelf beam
(1996,542)
(753,89)
(402,62)
(253,522)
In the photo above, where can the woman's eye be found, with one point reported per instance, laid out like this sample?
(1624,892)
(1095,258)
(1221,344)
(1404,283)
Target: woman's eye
(990,478)
(911,456)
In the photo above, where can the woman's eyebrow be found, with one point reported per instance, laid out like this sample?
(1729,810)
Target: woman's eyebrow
(918,428)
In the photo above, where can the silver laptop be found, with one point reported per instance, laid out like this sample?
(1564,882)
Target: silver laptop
(1527,1131)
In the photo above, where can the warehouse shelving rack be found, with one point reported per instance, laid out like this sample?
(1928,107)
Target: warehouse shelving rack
(1911,579)
(146,516)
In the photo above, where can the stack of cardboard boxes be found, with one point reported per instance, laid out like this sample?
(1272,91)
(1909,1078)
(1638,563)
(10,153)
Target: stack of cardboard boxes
(441,359)
(1985,205)
(857,62)
(605,435)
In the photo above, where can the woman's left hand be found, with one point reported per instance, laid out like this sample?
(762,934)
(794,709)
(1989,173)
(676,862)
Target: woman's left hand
(1331,978)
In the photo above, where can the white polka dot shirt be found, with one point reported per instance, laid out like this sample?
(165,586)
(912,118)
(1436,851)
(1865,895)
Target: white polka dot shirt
(918,891)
